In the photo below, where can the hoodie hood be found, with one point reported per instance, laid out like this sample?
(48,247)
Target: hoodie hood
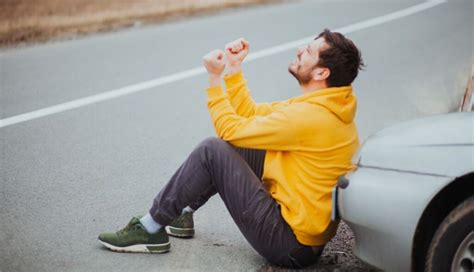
(338,100)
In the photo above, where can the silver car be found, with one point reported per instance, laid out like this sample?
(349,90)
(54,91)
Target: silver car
(410,202)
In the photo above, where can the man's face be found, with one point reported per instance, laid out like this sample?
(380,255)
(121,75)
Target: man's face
(306,59)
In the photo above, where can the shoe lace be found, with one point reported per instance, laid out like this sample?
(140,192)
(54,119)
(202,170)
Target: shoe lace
(183,219)
(134,224)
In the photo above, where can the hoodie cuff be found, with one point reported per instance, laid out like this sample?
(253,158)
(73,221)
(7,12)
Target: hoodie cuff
(215,91)
(233,80)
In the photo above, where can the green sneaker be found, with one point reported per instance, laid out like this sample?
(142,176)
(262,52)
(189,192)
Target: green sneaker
(134,238)
(182,227)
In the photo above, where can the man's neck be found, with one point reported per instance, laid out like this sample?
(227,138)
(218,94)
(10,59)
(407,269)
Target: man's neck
(312,86)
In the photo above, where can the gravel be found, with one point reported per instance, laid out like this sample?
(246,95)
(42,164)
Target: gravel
(337,255)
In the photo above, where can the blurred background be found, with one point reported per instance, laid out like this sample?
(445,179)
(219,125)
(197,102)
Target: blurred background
(40,20)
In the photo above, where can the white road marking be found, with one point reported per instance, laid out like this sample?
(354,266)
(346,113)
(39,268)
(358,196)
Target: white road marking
(134,88)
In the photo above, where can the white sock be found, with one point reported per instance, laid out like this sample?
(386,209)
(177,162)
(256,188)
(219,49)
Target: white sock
(188,209)
(151,226)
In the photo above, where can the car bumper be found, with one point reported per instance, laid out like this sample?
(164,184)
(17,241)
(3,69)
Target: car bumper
(383,208)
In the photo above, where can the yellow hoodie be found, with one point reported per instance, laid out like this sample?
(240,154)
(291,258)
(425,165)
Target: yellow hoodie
(309,139)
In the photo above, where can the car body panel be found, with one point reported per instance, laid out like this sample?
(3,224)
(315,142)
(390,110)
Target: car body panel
(431,145)
(383,209)
(400,170)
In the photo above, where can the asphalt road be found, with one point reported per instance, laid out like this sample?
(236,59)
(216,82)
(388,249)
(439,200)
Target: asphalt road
(67,177)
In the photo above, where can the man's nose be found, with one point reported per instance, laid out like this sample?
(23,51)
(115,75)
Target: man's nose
(300,51)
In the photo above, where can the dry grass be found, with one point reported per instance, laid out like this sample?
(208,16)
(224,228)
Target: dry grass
(41,20)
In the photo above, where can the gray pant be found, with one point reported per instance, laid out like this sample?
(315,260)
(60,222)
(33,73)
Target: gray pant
(216,166)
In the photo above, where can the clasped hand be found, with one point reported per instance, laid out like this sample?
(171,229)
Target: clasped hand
(232,57)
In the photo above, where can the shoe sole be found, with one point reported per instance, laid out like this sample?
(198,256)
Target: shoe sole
(180,232)
(140,248)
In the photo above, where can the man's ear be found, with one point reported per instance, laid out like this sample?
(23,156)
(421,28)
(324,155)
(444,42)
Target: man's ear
(321,73)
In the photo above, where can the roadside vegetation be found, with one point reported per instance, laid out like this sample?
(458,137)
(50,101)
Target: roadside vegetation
(25,21)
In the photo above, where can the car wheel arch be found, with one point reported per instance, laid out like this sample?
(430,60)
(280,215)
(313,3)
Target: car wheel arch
(443,202)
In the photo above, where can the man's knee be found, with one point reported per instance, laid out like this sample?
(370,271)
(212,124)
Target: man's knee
(213,144)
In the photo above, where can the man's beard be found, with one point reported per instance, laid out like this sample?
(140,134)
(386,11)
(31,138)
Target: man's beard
(303,78)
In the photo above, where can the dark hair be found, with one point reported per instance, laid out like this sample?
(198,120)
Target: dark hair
(342,58)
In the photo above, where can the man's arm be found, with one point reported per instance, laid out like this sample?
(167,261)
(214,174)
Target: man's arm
(241,99)
(275,131)
(236,85)
(278,130)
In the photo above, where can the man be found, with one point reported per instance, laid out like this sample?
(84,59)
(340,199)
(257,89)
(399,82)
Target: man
(274,164)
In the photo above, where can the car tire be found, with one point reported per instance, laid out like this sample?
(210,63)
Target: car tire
(452,248)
